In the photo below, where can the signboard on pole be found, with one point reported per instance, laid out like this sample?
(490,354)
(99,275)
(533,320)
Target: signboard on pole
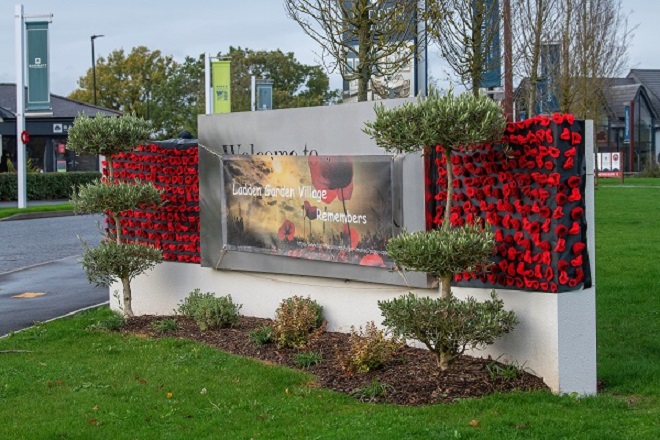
(492,74)
(38,98)
(626,124)
(609,164)
(221,85)
(264,94)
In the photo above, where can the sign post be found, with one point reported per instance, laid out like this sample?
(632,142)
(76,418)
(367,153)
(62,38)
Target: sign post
(19,19)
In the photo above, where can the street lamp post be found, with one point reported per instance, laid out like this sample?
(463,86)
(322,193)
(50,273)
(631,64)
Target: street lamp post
(94,37)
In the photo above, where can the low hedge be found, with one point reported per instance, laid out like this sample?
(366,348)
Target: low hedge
(45,186)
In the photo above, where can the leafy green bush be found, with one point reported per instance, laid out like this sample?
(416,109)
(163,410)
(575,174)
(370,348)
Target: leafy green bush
(295,320)
(444,252)
(651,169)
(372,391)
(306,360)
(165,325)
(45,186)
(447,326)
(263,335)
(369,349)
(112,323)
(209,311)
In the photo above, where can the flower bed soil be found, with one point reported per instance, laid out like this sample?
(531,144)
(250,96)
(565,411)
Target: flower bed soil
(412,377)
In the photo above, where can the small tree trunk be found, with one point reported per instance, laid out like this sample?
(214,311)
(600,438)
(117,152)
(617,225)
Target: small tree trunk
(445,286)
(444,359)
(446,224)
(128,310)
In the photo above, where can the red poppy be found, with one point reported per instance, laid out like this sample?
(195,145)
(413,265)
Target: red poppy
(286,231)
(576,138)
(334,175)
(578,248)
(577,213)
(311,212)
(569,163)
(352,234)
(575,229)
(372,260)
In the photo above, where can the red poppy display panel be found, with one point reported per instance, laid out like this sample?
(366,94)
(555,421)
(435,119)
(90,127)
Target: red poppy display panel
(174,226)
(532,195)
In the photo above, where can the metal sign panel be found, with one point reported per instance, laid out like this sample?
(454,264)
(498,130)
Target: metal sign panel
(37,66)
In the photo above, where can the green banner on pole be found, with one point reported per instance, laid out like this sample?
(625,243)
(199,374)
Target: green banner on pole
(221,81)
(37,66)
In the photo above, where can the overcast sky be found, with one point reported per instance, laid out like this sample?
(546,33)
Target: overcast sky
(181,28)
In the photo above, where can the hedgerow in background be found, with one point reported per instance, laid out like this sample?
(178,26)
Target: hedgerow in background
(447,326)
(116,257)
(45,186)
(296,319)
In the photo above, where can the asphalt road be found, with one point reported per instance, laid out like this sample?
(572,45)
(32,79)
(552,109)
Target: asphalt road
(41,256)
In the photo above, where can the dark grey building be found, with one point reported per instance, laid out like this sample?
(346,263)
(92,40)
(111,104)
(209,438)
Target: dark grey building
(48,132)
(630,121)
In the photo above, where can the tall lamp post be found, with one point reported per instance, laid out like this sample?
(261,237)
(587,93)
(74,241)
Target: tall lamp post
(94,37)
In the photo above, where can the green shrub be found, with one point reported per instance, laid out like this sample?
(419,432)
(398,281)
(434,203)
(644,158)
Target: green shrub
(369,350)
(444,252)
(372,391)
(209,311)
(447,326)
(651,169)
(306,360)
(45,186)
(295,320)
(165,325)
(112,323)
(263,335)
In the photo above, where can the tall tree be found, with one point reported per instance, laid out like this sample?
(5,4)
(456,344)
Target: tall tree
(569,50)
(596,43)
(465,32)
(536,25)
(129,83)
(378,33)
(294,84)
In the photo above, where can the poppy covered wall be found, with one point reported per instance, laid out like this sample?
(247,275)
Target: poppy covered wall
(531,190)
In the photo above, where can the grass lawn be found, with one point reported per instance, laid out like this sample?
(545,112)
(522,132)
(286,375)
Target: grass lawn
(8,212)
(80,384)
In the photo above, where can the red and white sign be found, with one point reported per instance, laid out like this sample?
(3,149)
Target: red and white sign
(609,165)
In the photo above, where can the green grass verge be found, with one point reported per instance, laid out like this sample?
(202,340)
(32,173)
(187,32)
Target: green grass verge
(8,212)
(80,384)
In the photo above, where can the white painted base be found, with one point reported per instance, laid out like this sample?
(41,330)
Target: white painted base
(555,338)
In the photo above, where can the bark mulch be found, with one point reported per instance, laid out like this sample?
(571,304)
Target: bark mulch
(411,378)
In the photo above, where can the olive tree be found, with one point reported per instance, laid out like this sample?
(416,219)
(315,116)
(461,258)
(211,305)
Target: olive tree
(447,326)
(449,123)
(116,257)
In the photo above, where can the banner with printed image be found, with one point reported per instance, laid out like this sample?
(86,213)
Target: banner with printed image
(324,208)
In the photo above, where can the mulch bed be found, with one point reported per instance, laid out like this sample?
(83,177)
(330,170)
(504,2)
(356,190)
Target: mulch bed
(411,378)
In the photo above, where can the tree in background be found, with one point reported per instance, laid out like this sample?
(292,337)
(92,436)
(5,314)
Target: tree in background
(595,38)
(132,83)
(294,84)
(171,95)
(465,32)
(378,32)
(568,51)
